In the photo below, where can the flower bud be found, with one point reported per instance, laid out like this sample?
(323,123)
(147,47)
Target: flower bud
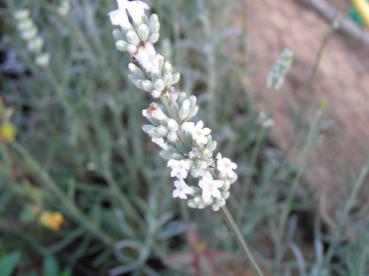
(154,112)
(172,137)
(211,145)
(168,80)
(147,85)
(154,24)
(155,132)
(182,96)
(118,34)
(159,85)
(154,37)
(172,125)
(132,49)
(156,94)
(184,110)
(121,45)
(176,77)
(132,38)
(143,32)
(167,68)
(135,70)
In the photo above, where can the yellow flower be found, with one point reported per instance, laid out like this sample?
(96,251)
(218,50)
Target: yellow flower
(363,8)
(51,220)
(7,132)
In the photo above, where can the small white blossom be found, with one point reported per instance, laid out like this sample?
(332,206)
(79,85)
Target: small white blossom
(160,142)
(120,18)
(179,168)
(148,59)
(210,187)
(198,132)
(225,166)
(182,190)
(136,9)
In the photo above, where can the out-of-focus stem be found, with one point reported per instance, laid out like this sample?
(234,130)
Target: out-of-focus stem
(241,241)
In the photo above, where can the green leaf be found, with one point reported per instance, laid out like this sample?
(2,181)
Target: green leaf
(66,272)
(51,267)
(8,263)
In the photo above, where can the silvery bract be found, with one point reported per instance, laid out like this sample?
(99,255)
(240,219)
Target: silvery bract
(199,178)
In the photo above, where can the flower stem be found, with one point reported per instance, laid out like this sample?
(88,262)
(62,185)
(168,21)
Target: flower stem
(237,233)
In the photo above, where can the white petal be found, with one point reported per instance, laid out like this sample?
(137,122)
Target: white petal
(171,163)
(136,10)
(207,176)
(218,183)
(183,196)
(200,124)
(188,126)
(122,4)
(175,193)
(188,190)
(206,196)
(119,17)
(206,131)
(216,193)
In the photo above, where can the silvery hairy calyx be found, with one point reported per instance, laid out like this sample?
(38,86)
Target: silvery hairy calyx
(200,176)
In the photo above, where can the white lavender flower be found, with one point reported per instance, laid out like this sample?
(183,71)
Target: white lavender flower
(276,76)
(188,146)
(198,132)
(179,168)
(210,188)
(29,33)
(225,166)
(136,9)
(182,190)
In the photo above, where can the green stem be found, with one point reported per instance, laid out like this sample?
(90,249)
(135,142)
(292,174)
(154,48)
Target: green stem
(296,180)
(241,241)
(50,184)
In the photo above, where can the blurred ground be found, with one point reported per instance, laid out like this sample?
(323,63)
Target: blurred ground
(342,82)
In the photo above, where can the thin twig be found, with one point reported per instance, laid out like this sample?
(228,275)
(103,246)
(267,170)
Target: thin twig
(346,26)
